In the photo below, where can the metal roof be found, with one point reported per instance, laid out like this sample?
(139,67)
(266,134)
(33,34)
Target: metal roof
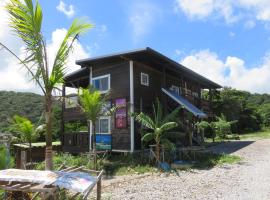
(149,56)
(185,103)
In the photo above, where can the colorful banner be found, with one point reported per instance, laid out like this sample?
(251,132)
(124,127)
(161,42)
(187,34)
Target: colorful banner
(121,113)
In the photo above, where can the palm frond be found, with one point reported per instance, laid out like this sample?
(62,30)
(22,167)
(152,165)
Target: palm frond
(172,116)
(26,21)
(167,143)
(24,128)
(167,126)
(92,103)
(145,120)
(148,137)
(58,71)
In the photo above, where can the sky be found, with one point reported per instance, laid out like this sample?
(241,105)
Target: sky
(226,41)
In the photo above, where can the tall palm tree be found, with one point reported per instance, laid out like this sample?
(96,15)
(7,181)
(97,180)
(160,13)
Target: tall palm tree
(26,130)
(93,104)
(158,126)
(26,21)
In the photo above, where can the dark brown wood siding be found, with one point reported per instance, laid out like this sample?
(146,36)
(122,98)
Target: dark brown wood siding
(119,74)
(145,96)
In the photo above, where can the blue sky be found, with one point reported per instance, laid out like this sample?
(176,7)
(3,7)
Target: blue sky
(226,41)
(167,30)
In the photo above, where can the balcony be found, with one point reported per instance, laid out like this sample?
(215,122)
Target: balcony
(71,110)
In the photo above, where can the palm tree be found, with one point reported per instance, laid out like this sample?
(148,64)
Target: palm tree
(26,130)
(93,104)
(26,21)
(158,126)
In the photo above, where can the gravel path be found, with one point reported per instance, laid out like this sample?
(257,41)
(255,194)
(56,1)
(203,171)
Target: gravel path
(249,179)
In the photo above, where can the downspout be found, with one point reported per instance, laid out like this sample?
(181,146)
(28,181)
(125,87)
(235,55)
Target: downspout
(90,122)
(131,96)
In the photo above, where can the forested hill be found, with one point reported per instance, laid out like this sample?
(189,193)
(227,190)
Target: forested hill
(252,111)
(29,105)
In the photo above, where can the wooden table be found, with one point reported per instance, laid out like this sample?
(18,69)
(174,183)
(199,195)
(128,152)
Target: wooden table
(48,190)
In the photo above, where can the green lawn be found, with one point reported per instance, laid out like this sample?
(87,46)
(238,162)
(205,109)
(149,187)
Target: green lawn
(244,136)
(257,135)
(211,160)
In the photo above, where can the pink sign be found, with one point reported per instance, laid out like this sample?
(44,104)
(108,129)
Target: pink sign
(121,113)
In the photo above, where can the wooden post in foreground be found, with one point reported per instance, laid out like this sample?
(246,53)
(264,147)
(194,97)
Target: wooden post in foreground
(99,189)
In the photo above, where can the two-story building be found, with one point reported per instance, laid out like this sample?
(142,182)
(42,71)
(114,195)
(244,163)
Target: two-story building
(135,79)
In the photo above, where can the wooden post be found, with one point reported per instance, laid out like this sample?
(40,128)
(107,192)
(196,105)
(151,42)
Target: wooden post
(62,126)
(23,159)
(164,97)
(211,111)
(99,189)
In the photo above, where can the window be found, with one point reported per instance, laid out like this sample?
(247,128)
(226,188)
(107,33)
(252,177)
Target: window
(102,83)
(71,101)
(103,125)
(175,89)
(195,94)
(144,79)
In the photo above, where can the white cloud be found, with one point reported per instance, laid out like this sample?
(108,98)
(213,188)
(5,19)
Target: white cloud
(230,10)
(78,51)
(196,9)
(142,18)
(68,10)
(231,72)
(249,24)
(14,77)
(202,9)
(103,28)
(231,34)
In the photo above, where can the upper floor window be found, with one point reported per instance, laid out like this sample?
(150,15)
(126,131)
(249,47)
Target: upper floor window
(175,89)
(144,79)
(102,83)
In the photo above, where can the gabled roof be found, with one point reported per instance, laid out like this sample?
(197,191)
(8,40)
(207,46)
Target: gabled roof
(152,58)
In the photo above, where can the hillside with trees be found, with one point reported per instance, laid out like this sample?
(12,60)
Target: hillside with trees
(252,111)
(29,105)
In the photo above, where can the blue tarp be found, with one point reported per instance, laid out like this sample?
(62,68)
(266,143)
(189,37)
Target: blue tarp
(185,103)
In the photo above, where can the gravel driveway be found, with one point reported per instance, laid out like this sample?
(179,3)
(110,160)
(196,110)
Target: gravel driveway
(249,179)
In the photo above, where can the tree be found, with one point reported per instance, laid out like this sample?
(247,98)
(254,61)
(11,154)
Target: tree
(238,105)
(158,126)
(93,104)
(264,112)
(26,22)
(3,157)
(222,127)
(26,130)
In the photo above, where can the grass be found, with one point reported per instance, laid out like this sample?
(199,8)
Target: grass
(211,160)
(264,134)
(112,165)
(257,135)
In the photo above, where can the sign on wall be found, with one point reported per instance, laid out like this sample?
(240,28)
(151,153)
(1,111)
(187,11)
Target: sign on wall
(103,142)
(121,113)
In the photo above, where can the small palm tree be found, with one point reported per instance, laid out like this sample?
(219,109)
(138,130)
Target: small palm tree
(26,21)
(26,130)
(158,126)
(93,104)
